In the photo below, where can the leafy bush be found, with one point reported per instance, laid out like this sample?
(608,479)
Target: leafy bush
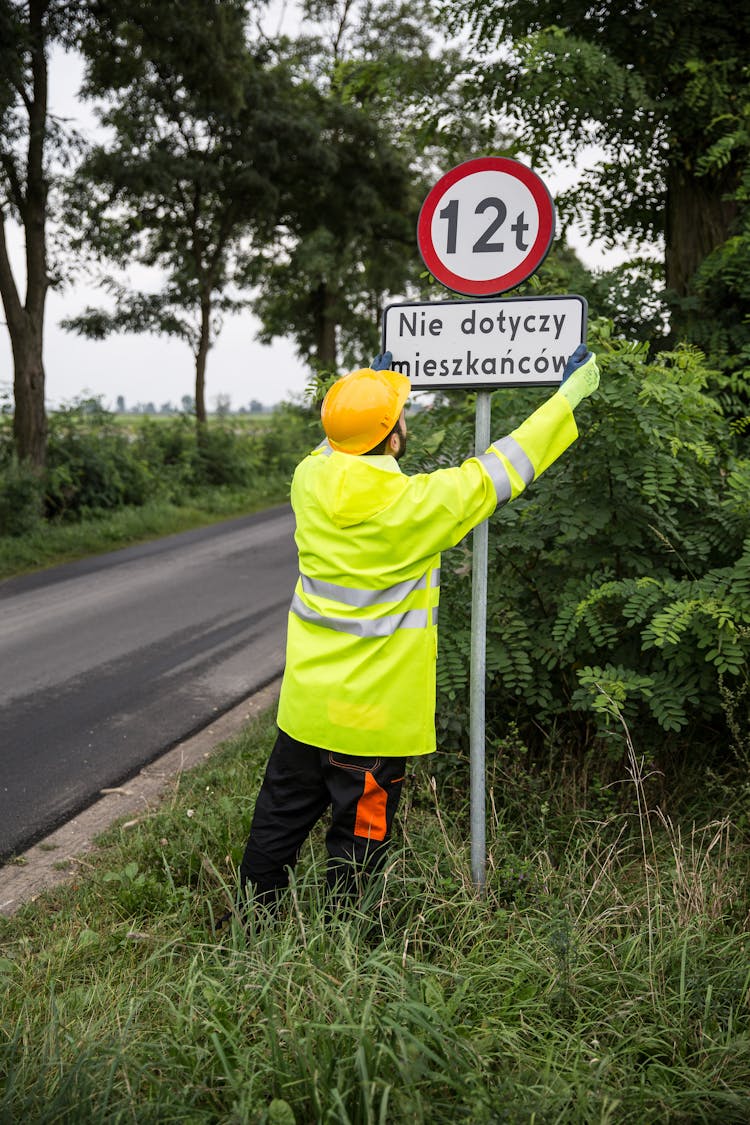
(620,584)
(168,448)
(95,464)
(91,465)
(20,499)
(186,461)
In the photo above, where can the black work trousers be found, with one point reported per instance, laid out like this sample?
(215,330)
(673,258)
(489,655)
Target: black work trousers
(300,784)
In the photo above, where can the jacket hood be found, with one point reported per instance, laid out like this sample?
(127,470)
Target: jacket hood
(354,489)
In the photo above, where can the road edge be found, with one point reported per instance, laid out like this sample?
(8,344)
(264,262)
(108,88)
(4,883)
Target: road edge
(57,858)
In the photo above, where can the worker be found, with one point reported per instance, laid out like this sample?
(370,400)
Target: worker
(358,693)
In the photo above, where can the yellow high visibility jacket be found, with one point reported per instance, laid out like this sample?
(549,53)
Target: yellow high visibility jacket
(362,629)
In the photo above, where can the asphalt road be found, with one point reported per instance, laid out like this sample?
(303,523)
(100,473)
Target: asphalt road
(108,662)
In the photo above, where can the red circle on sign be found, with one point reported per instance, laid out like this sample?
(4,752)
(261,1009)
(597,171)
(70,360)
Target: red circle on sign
(536,252)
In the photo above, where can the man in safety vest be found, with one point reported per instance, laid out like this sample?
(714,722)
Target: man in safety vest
(358,694)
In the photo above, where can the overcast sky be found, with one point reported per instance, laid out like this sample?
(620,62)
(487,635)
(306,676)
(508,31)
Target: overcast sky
(157,369)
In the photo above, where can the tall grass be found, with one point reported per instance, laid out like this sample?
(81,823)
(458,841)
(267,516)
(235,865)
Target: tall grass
(55,543)
(603,977)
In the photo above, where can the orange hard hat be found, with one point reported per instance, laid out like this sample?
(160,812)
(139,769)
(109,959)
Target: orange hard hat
(362,408)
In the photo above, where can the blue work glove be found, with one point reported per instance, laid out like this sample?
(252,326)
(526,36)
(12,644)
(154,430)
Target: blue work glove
(580,377)
(382,362)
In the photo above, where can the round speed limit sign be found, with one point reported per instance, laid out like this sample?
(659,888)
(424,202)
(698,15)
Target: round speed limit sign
(486,226)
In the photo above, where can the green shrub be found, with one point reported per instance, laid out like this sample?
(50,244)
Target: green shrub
(620,584)
(168,449)
(96,465)
(289,436)
(91,465)
(223,457)
(186,461)
(20,499)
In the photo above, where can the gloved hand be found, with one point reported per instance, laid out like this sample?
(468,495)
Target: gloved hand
(382,362)
(580,377)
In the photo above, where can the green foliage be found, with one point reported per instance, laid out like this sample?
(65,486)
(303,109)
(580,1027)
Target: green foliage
(631,295)
(198,47)
(90,464)
(203,134)
(620,584)
(347,243)
(96,465)
(34,145)
(720,298)
(648,85)
(653,101)
(20,498)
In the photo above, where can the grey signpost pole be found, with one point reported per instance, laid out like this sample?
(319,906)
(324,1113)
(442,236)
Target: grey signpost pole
(478,665)
(468,246)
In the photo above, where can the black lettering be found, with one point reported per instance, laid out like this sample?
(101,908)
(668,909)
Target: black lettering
(519,227)
(405,325)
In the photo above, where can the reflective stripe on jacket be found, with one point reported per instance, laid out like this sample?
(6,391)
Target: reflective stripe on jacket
(362,631)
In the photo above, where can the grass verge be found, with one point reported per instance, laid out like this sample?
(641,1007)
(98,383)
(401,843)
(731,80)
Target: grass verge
(604,977)
(55,543)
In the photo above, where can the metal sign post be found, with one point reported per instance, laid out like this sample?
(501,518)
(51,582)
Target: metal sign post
(484,228)
(479,665)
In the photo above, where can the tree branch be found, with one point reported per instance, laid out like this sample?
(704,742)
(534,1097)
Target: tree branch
(20,88)
(8,289)
(14,183)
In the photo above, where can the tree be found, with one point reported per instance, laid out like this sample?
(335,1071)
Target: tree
(349,234)
(28,139)
(347,243)
(223,405)
(722,282)
(201,130)
(653,86)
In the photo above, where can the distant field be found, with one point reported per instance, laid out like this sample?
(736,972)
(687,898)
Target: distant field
(241,422)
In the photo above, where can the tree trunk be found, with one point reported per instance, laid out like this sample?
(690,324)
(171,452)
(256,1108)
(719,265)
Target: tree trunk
(325,328)
(204,343)
(26,322)
(25,328)
(30,418)
(698,219)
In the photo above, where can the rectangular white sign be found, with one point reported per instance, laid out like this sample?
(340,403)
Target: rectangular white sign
(511,342)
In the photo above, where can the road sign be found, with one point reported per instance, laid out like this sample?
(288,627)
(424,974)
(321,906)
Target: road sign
(483,229)
(485,226)
(506,342)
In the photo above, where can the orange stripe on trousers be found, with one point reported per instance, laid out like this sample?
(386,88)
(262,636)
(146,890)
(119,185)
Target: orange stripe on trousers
(371,822)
